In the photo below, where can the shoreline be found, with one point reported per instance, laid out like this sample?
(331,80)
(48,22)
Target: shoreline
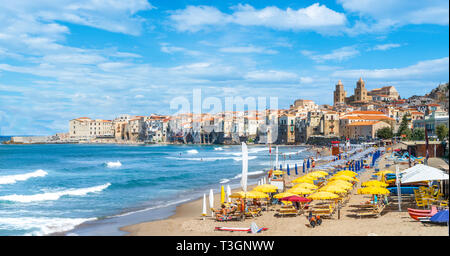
(168,211)
(191,208)
(187,221)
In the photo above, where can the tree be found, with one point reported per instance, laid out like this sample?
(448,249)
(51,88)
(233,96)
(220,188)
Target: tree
(385,133)
(418,134)
(404,128)
(442,132)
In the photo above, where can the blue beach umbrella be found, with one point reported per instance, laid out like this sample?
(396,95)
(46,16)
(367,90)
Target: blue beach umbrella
(296,171)
(440,217)
(288,173)
(281,167)
(304,165)
(307,164)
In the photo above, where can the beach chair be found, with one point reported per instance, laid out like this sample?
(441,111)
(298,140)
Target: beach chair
(376,212)
(253,212)
(326,212)
(288,211)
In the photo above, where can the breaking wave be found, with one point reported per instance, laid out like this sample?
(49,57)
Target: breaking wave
(11,179)
(53,195)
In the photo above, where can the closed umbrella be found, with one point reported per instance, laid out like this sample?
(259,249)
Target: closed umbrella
(307,164)
(222,195)
(296,171)
(211,201)
(288,172)
(228,193)
(204,206)
(304,167)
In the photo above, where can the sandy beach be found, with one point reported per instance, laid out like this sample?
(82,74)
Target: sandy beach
(187,220)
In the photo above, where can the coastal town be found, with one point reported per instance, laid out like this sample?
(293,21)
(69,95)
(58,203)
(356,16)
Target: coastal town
(361,116)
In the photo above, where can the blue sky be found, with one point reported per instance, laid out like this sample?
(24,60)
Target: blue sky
(99,58)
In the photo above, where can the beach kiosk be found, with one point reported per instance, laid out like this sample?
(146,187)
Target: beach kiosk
(277,179)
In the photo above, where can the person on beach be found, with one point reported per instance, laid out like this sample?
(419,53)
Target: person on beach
(222,213)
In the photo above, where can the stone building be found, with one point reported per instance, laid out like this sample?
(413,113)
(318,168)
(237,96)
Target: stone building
(339,94)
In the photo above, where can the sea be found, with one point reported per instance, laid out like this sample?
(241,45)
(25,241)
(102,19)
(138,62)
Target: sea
(93,189)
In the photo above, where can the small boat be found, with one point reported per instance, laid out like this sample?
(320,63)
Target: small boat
(416,215)
(418,210)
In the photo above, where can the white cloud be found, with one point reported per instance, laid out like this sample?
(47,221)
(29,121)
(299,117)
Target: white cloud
(335,55)
(427,68)
(247,49)
(195,18)
(272,76)
(167,48)
(384,47)
(381,15)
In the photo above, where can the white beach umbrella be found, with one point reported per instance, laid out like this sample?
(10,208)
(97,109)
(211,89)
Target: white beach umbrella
(244,167)
(259,182)
(204,205)
(265,180)
(211,201)
(228,193)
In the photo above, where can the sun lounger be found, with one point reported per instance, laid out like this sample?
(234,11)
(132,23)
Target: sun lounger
(376,212)
(287,212)
(323,211)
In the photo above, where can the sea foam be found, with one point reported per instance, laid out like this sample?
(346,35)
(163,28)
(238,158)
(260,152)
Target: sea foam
(192,152)
(41,226)
(53,195)
(113,164)
(11,179)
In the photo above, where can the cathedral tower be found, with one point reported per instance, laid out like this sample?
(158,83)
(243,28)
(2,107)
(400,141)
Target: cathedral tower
(339,94)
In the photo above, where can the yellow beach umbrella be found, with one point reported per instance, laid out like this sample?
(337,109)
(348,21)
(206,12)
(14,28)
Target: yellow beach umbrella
(304,179)
(373,191)
(323,196)
(306,185)
(340,183)
(347,173)
(266,188)
(222,195)
(344,177)
(284,194)
(300,191)
(317,174)
(258,194)
(250,194)
(322,172)
(333,189)
(374,183)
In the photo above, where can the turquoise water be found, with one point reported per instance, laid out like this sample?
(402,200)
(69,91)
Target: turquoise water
(53,188)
